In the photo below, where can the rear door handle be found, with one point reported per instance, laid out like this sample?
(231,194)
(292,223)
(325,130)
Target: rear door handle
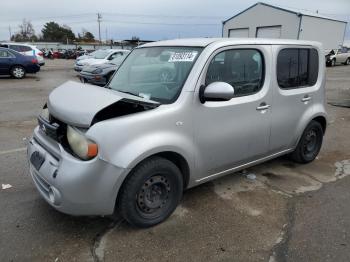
(306,98)
(263,106)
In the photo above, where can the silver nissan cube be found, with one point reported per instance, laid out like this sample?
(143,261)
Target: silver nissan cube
(174,115)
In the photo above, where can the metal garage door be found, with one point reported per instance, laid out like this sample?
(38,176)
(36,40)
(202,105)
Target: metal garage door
(238,32)
(268,32)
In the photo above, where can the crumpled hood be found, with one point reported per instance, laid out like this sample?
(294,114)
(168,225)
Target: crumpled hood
(76,103)
(90,61)
(92,68)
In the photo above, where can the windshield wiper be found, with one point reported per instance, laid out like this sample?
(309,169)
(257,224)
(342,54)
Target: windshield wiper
(129,93)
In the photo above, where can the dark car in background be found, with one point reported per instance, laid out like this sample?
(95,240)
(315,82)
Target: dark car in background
(17,65)
(100,74)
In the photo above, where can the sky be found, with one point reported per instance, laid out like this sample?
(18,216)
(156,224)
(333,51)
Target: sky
(149,20)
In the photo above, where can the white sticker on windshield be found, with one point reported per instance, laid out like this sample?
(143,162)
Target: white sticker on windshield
(183,56)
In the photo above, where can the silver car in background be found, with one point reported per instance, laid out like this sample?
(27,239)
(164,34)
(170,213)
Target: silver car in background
(100,74)
(98,57)
(222,105)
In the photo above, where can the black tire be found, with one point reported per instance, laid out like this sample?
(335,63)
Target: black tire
(333,62)
(151,193)
(347,62)
(309,144)
(18,72)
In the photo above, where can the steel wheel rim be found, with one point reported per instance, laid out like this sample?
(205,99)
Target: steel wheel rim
(154,195)
(310,144)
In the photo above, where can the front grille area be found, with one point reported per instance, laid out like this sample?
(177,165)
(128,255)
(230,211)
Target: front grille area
(41,183)
(53,128)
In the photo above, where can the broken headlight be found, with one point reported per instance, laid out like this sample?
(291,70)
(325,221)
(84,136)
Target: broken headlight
(81,146)
(45,113)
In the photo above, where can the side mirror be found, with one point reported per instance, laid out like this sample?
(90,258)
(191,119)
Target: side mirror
(216,91)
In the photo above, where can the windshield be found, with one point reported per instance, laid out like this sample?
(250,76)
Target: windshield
(118,59)
(100,54)
(155,73)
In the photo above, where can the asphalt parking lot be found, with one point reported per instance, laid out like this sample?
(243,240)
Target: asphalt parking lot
(287,212)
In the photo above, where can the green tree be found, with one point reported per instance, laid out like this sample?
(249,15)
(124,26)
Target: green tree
(89,36)
(86,36)
(52,31)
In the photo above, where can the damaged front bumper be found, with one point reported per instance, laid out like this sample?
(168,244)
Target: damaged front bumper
(92,78)
(71,185)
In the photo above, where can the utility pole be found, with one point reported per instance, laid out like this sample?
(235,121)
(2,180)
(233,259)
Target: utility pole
(10,32)
(99,18)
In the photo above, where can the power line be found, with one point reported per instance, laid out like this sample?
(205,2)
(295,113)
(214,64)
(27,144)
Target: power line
(164,16)
(159,23)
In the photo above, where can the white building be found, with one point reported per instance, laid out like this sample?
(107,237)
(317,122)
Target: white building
(268,21)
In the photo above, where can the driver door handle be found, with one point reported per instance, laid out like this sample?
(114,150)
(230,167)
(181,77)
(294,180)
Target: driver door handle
(263,106)
(306,98)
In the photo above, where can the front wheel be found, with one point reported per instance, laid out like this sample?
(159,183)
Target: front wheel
(310,143)
(151,192)
(347,62)
(333,62)
(18,72)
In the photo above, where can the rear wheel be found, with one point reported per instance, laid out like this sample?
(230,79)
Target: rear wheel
(347,62)
(310,143)
(18,72)
(151,193)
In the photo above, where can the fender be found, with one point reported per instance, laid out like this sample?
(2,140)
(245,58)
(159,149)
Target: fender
(307,118)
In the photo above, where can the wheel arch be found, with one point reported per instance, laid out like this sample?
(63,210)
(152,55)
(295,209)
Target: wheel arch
(323,122)
(320,117)
(174,157)
(12,66)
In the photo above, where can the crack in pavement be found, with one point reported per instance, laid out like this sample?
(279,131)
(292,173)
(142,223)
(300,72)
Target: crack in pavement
(98,243)
(280,249)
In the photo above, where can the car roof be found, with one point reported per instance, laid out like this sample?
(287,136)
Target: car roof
(15,43)
(203,42)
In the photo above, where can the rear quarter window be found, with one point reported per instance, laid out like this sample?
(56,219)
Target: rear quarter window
(297,67)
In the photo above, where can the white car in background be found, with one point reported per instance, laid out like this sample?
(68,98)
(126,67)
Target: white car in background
(338,56)
(98,57)
(26,49)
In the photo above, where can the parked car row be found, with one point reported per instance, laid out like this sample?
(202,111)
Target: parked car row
(63,53)
(98,67)
(16,64)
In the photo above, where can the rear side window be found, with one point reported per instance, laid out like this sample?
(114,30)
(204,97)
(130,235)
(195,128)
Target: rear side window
(26,48)
(5,54)
(241,68)
(21,48)
(297,67)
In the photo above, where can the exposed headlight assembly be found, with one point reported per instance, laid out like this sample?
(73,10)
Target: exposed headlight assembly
(45,113)
(81,146)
